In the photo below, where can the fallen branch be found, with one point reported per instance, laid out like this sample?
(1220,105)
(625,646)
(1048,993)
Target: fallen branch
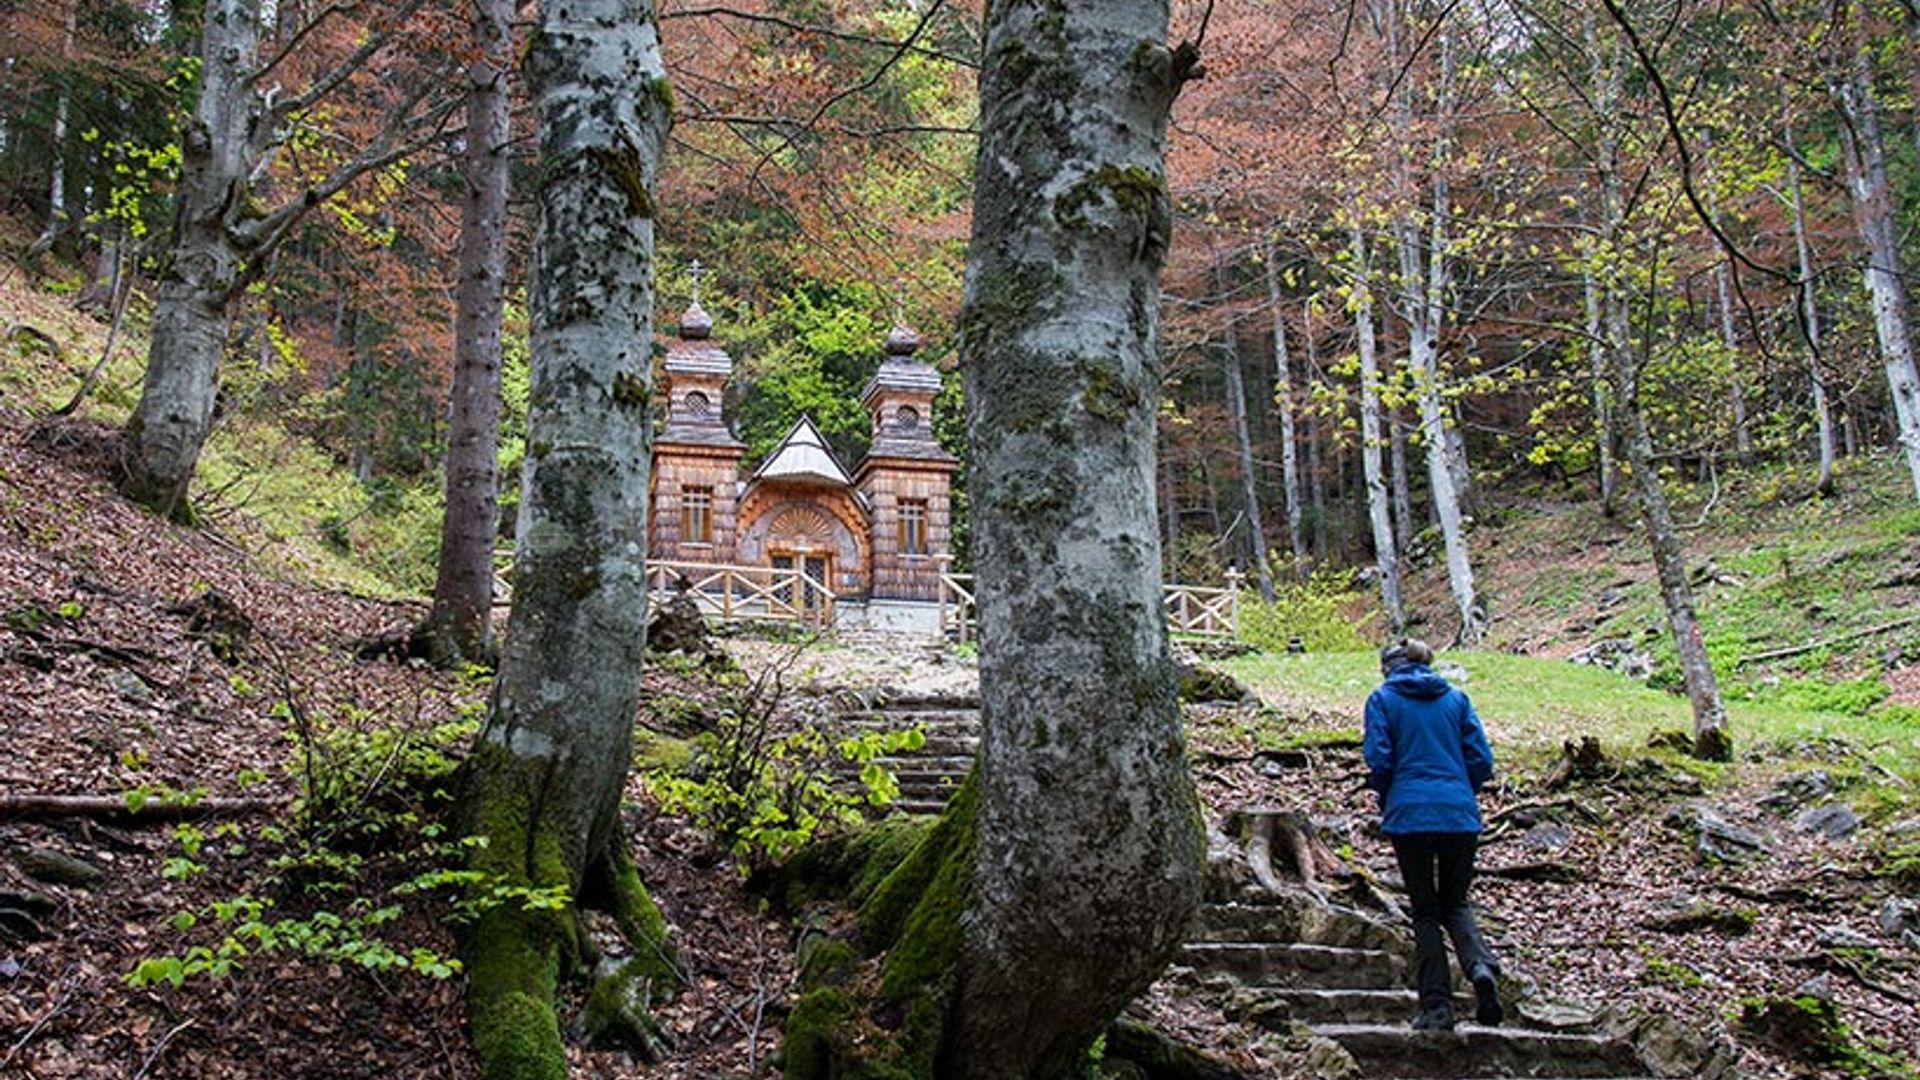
(115,806)
(1825,643)
(162,1047)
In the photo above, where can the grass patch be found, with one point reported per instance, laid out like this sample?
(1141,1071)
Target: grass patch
(1529,705)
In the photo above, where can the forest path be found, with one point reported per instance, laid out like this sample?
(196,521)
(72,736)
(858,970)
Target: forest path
(1285,955)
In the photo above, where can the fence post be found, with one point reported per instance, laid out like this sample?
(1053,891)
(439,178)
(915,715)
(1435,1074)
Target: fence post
(1233,601)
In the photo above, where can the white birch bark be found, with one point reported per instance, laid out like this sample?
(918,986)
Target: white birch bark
(1386,559)
(1604,436)
(1423,284)
(57,181)
(1875,215)
(1243,442)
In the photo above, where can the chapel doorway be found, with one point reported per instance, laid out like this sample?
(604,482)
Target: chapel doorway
(807,593)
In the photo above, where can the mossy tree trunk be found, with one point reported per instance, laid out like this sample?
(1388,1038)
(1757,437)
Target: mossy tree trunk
(545,781)
(1087,844)
(458,626)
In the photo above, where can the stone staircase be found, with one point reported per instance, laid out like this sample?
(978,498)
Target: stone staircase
(1289,959)
(1341,979)
(929,776)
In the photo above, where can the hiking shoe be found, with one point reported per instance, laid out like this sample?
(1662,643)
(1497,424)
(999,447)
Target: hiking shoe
(1434,1018)
(1486,997)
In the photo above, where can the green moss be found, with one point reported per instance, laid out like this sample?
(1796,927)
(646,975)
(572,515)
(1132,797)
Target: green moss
(639,919)
(624,168)
(516,1037)
(1131,188)
(514,956)
(616,1013)
(653,751)
(1713,745)
(848,865)
(630,390)
(1108,395)
(885,915)
(660,90)
(824,960)
(852,1030)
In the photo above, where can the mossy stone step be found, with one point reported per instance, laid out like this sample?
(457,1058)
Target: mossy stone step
(1395,1051)
(1280,965)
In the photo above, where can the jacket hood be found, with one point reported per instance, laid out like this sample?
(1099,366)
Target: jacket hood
(1417,681)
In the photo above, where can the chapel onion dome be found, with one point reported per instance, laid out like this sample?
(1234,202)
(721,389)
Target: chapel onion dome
(902,340)
(696,324)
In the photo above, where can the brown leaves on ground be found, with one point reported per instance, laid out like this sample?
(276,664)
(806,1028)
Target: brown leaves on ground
(109,684)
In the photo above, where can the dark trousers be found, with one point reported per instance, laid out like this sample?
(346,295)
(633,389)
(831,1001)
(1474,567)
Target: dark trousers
(1438,867)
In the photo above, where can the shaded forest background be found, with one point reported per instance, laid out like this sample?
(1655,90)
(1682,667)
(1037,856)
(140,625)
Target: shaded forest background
(1429,261)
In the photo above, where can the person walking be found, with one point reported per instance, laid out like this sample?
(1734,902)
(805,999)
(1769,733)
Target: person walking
(1427,758)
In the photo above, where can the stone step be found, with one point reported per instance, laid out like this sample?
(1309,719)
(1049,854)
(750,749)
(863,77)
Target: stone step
(1396,1051)
(1286,966)
(1278,1009)
(928,719)
(917,806)
(1298,920)
(947,764)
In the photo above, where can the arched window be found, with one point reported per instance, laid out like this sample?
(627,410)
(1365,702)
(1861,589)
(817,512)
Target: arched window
(906,418)
(697,405)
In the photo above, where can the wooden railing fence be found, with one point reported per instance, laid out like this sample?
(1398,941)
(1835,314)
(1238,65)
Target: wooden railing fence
(792,595)
(1195,610)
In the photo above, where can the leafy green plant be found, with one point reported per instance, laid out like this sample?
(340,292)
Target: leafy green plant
(1325,612)
(336,876)
(764,789)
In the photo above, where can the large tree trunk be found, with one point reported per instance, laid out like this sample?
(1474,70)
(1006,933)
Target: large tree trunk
(1736,377)
(458,627)
(1283,401)
(1386,560)
(1875,214)
(1243,441)
(1402,481)
(191,315)
(1730,340)
(545,779)
(224,228)
(1808,312)
(1085,868)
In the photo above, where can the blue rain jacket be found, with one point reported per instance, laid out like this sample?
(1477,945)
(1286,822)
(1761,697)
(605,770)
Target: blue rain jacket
(1426,754)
